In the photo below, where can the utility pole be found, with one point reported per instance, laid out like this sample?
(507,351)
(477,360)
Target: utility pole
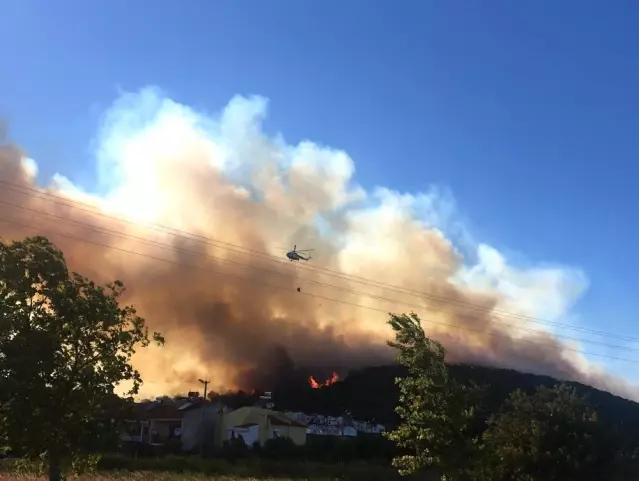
(206,384)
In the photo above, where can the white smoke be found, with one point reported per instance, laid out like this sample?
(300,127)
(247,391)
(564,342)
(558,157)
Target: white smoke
(222,176)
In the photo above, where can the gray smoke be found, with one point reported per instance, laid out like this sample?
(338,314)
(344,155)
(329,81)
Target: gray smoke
(223,178)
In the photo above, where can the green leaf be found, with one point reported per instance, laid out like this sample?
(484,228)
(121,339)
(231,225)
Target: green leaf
(438,426)
(65,343)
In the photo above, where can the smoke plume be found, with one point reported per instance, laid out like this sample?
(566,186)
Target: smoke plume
(194,212)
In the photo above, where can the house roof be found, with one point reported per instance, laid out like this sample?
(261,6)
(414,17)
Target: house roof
(167,410)
(162,411)
(248,425)
(280,420)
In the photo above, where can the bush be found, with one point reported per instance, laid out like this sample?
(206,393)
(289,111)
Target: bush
(234,448)
(252,467)
(363,447)
(280,448)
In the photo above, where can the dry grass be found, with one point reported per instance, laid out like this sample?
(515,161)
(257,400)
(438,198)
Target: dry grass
(120,468)
(152,476)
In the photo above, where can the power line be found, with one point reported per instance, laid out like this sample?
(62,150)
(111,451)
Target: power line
(330,272)
(350,291)
(227,275)
(323,271)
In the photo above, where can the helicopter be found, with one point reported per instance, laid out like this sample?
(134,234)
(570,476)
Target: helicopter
(295,255)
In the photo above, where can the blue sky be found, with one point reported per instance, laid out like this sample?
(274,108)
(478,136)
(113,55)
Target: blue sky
(527,111)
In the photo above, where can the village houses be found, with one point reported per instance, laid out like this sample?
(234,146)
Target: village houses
(190,422)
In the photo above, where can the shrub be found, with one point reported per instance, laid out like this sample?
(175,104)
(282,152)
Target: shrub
(251,467)
(280,448)
(235,448)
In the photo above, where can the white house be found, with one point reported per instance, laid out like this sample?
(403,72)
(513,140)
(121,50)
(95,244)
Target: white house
(331,430)
(321,425)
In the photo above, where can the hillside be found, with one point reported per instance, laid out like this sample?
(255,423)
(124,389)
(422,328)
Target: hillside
(371,394)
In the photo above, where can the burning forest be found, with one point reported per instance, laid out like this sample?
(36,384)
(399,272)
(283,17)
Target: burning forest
(316,385)
(191,212)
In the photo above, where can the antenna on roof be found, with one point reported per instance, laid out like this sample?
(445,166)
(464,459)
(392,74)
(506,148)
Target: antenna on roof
(266,400)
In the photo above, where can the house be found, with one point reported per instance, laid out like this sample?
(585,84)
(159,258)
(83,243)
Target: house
(186,423)
(259,424)
(344,430)
(202,421)
(334,420)
(153,423)
(298,416)
(368,427)
(318,424)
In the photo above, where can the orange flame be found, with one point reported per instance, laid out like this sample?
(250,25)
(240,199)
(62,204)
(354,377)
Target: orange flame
(316,385)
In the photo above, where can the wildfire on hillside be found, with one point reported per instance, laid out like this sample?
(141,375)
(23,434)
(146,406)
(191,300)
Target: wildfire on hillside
(316,385)
(176,183)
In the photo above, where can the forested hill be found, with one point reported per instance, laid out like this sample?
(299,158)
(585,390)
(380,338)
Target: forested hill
(371,394)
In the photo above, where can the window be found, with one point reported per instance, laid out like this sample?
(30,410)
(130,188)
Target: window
(133,428)
(175,430)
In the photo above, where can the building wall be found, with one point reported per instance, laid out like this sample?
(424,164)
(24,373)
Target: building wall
(297,434)
(161,430)
(331,430)
(249,415)
(349,431)
(250,434)
(197,425)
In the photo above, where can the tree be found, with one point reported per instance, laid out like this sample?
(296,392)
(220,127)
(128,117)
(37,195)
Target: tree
(439,423)
(551,434)
(65,344)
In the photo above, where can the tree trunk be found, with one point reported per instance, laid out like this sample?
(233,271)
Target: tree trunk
(55,466)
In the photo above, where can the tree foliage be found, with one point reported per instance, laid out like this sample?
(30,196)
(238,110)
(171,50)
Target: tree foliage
(438,415)
(65,343)
(550,434)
